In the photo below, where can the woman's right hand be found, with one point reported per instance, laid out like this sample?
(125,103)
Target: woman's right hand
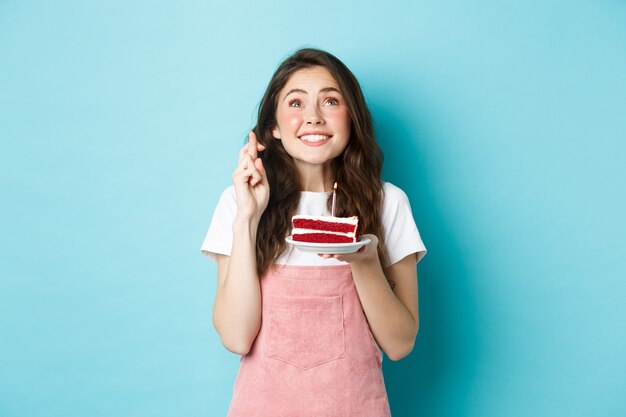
(250,180)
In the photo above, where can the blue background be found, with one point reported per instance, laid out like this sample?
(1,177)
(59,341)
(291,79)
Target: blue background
(120,124)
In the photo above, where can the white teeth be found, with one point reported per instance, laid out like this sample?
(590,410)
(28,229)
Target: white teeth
(314,138)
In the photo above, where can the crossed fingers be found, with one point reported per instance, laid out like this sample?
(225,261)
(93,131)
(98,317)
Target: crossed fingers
(249,164)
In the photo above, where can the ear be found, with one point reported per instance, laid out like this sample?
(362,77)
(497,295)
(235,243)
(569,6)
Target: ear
(276,133)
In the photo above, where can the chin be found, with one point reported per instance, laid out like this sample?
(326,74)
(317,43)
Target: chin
(317,162)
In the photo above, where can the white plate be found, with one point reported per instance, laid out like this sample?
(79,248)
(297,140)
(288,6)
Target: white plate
(329,248)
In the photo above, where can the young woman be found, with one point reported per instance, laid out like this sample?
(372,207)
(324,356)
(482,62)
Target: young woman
(310,328)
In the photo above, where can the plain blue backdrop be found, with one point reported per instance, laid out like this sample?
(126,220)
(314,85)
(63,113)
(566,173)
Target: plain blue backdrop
(120,123)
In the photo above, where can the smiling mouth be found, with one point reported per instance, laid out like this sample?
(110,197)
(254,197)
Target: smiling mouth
(314,138)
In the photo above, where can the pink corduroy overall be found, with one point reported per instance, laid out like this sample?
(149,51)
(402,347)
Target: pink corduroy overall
(315,354)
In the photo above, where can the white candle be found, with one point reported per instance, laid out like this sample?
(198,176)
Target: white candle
(332,210)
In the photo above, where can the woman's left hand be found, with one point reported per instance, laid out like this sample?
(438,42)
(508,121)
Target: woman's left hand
(366,253)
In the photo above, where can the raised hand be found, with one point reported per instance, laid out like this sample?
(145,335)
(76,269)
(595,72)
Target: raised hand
(250,180)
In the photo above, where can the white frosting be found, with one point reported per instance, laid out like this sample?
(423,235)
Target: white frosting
(350,220)
(326,232)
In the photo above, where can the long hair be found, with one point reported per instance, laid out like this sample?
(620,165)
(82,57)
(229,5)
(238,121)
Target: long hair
(357,170)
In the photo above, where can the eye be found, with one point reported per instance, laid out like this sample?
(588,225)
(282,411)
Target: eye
(331,101)
(295,103)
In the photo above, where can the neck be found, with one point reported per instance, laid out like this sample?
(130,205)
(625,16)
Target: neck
(316,178)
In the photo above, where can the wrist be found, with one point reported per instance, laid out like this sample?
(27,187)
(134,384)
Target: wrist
(369,261)
(245,225)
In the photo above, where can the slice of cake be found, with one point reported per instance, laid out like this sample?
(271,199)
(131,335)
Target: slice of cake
(325,229)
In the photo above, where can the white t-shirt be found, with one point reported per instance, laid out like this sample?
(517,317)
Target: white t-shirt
(401,235)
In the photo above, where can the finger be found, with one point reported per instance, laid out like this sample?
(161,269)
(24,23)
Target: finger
(255,179)
(245,150)
(246,178)
(258,163)
(252,145)
(242,177)
(259,145)
(254,172)
(243,172)
(242,164)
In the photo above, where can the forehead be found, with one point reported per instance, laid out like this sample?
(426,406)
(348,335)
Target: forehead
(314,78)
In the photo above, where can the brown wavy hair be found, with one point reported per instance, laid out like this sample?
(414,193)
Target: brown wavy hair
(357,170)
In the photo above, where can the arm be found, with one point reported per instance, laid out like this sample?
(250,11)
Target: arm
(237,308)
(392,314)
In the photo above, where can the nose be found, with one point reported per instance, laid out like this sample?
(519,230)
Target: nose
(314,117)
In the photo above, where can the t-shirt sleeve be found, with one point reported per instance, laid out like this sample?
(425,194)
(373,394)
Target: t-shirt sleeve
(219,238)
(402,237)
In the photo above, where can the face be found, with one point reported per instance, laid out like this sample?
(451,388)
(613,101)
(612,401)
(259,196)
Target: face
(312,118)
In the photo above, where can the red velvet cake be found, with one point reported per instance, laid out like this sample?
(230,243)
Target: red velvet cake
(325,229)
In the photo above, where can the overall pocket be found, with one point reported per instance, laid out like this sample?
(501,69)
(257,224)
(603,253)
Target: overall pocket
(306,331)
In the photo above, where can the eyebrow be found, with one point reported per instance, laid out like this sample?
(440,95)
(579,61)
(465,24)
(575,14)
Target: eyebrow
(323,90)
